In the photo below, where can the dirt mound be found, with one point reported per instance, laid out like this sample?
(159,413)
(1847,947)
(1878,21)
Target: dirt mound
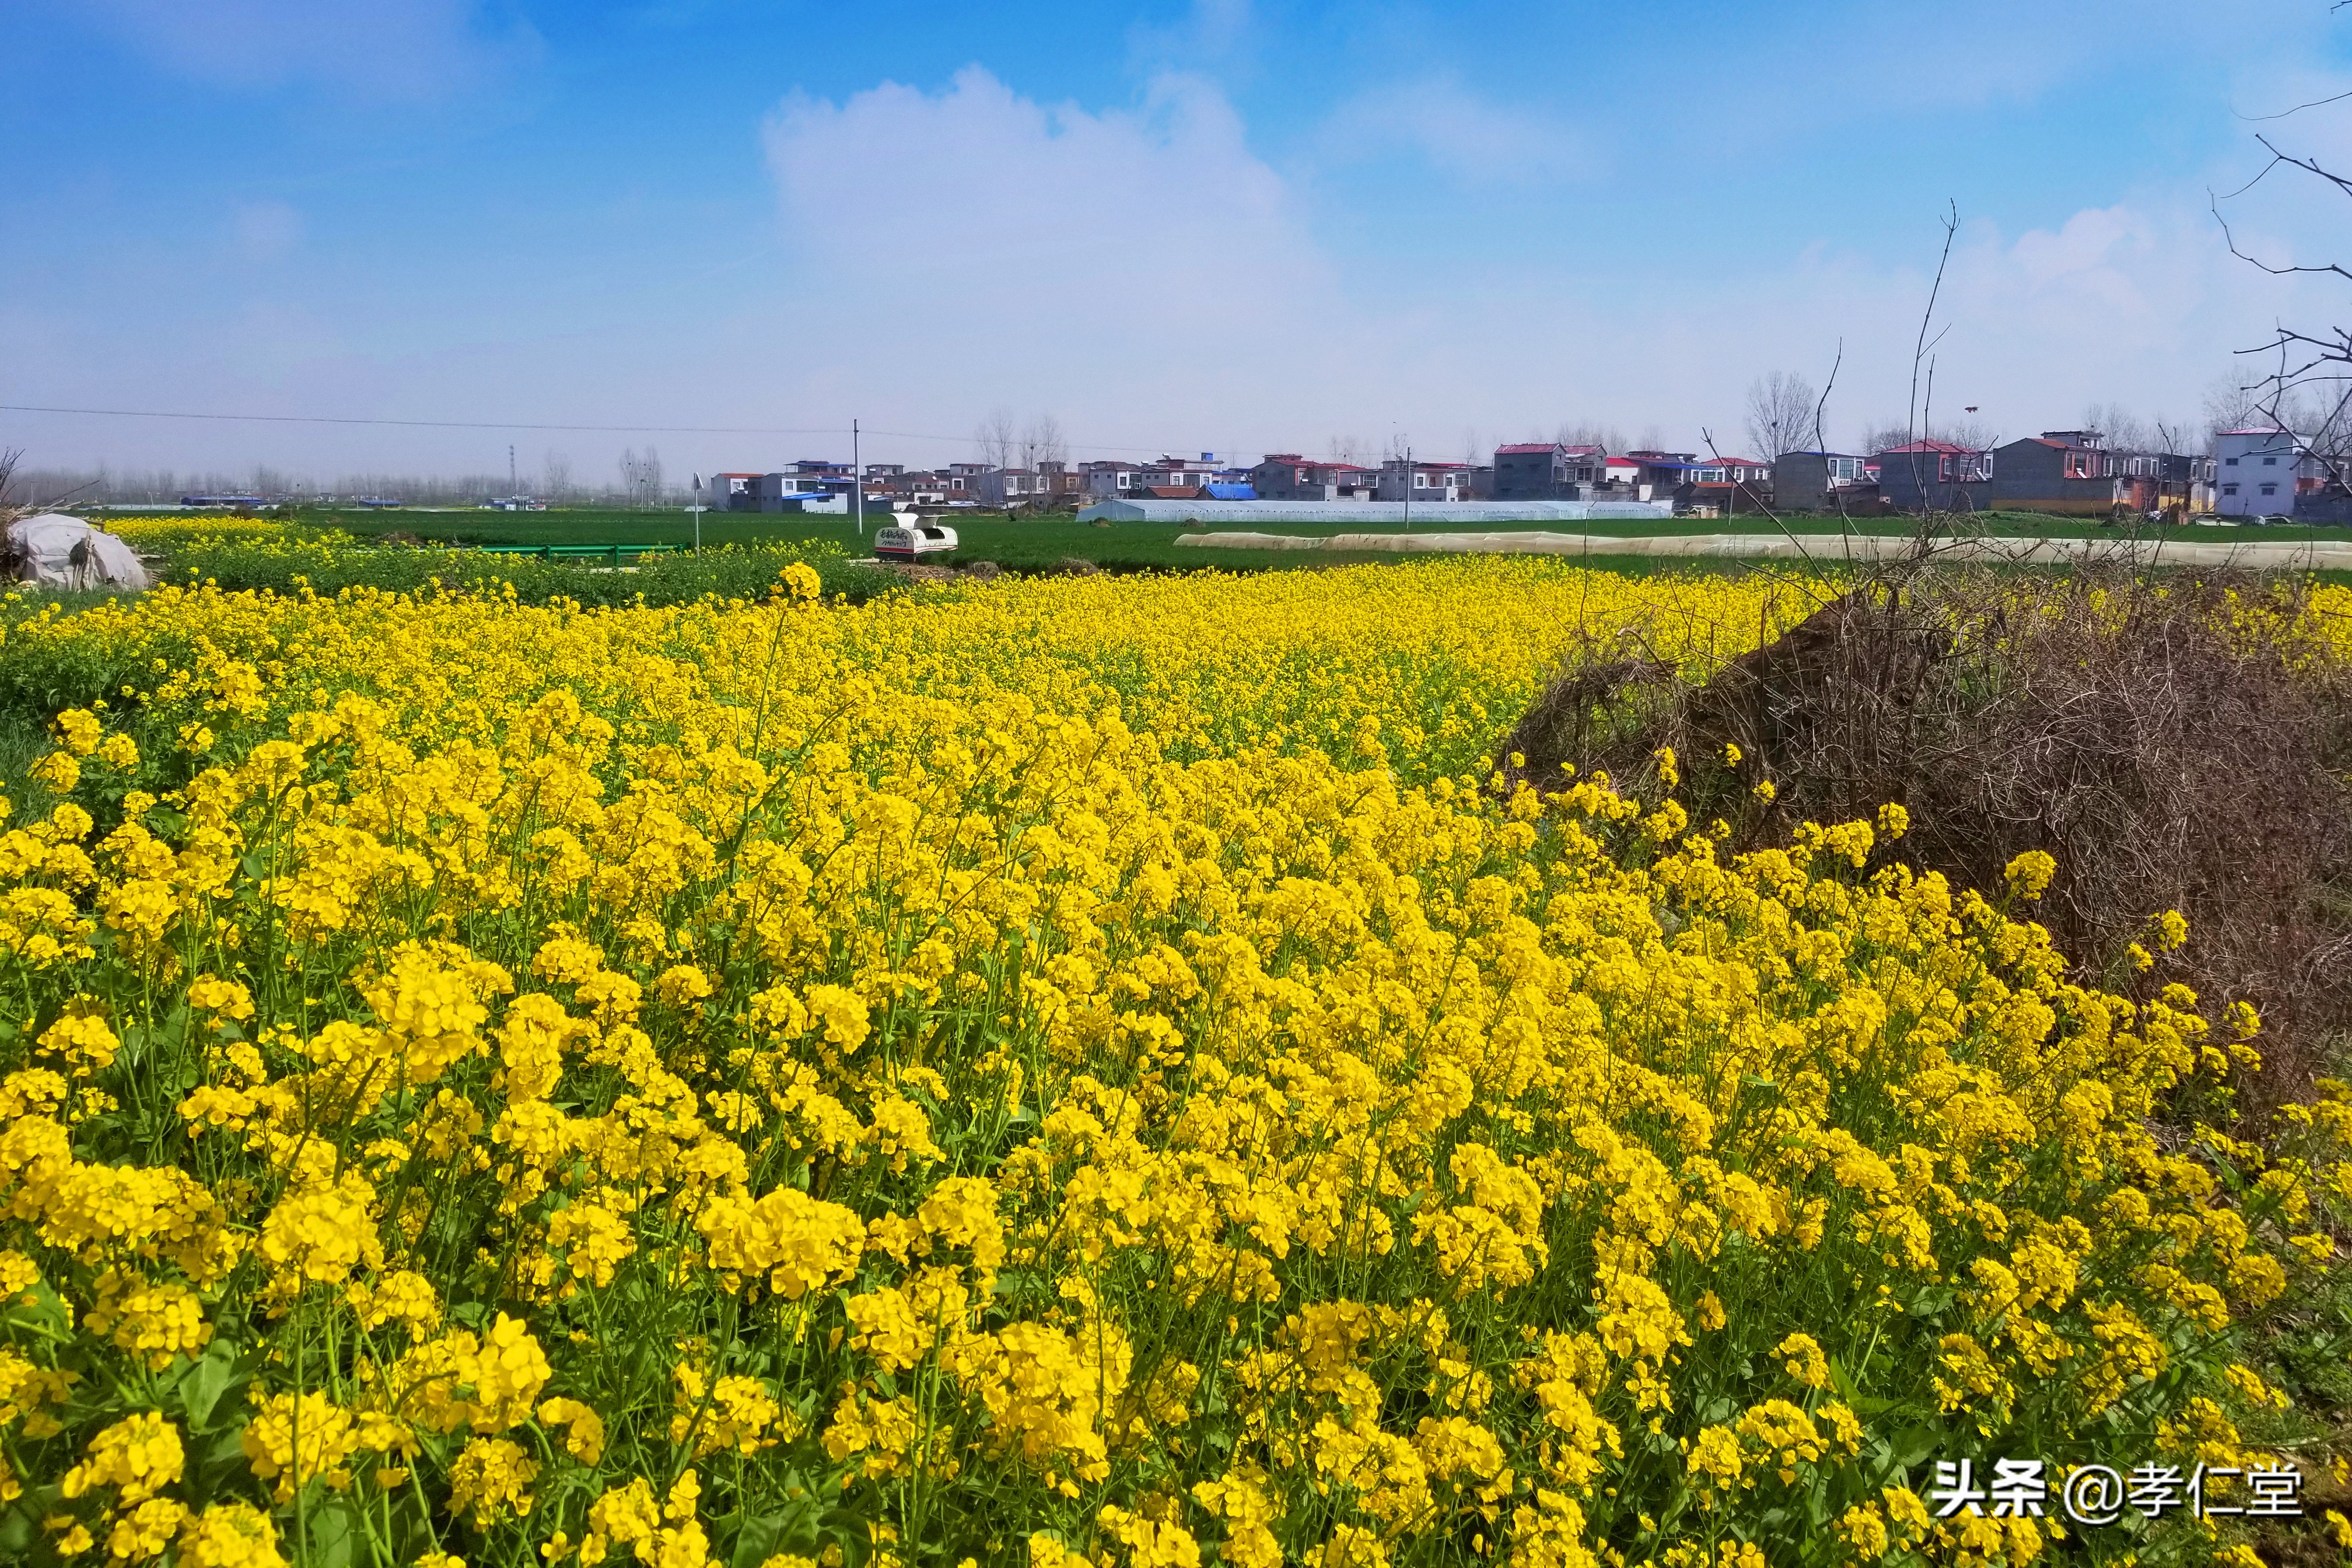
(2180,744)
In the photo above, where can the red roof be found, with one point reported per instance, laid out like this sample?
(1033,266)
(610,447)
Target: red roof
(1627,462)
(1530,447)
(1925,445)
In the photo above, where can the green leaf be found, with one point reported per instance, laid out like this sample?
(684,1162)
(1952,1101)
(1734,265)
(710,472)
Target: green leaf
(1915,1446)
(334,1532)
(19,1531)
(755,1542)
(201,1386)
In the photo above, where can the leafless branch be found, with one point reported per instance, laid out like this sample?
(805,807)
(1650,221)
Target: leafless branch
(2298,108)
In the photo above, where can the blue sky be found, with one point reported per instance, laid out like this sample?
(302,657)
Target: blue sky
(1223,226)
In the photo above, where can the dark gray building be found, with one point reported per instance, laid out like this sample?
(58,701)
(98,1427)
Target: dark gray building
(1821,482)
(1545,470)
(1288,476)
(2065,472)
(1938,475)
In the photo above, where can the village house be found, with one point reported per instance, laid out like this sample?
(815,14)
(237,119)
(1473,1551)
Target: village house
(1660,473)
(1729,485)
(1942,475)
(2258,472)
(1430,481)
(2069,473)
(1545,470)
(1288,476)
(1822,481)
(1050,482)
(765,492)
(1166,478)
(1617,474)
(1058,483)
(1004,487)
(735,492)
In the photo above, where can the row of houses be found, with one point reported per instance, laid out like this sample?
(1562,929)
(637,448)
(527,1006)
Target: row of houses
(821,484)
(2251,473)
(2069,472)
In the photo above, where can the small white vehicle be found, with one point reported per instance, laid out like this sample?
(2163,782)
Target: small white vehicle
(913,540)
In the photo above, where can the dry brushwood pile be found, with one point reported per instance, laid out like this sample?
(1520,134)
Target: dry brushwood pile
(2173,745)
(1087,1072)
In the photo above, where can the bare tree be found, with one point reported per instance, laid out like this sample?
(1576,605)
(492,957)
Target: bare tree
(641,477)
(997,439)
(2124,431)
(1974,433)
(1781,414)
(2229,406)
(1884,436)
(1042,442)
(555,476)
(1591,433)
(2304,380)
(10,457)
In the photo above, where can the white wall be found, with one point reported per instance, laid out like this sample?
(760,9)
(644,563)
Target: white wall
(2245,460)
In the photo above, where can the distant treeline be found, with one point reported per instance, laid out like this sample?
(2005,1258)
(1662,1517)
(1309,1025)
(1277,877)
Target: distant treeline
(163,487)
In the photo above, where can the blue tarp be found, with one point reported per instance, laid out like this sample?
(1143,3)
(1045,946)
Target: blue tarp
(1230,492)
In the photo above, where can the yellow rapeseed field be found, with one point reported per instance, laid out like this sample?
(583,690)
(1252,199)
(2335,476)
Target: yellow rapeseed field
(1079,1070)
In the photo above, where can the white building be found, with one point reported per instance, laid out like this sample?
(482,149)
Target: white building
(2256,472)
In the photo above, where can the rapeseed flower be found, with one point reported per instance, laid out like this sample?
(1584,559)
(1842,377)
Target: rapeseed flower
(1082,1063)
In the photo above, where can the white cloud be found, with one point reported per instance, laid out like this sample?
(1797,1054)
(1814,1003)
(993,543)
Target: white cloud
(2138,303)
(393,49)
(1145,276)
(990,249)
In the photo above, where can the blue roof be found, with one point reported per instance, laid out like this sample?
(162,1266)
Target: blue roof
(1231,492)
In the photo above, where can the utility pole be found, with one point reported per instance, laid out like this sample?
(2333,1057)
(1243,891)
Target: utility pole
(1408,486)
(857,479)
(695,507)
(514,486)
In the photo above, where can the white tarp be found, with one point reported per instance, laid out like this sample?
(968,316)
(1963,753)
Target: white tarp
(60,551)
(1823,548)
(1425,514)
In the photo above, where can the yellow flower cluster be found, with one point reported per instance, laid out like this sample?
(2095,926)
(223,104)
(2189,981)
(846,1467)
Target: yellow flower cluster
(1074,1071)
(159,528)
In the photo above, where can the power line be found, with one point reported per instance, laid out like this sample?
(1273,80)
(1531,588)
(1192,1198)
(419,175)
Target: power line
(517,425)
